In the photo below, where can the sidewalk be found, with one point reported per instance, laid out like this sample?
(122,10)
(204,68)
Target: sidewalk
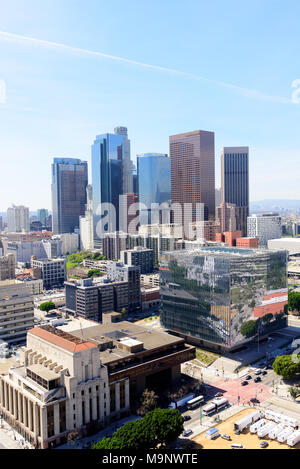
(10,439)
(108,431)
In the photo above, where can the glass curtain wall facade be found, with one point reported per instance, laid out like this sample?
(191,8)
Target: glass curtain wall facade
(209,294)
(107,180)
(69,182)
(235,182)
(154,181)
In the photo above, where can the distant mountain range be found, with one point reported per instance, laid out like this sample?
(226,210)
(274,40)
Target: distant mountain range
(274,205)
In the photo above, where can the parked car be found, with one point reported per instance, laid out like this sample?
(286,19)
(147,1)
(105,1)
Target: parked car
(264,444)
(257,380)
(254,400)
(244,383)
(187,432)
(186,418)
(225,437)
(258,371)
(248,377)
(237,446)
(264,372)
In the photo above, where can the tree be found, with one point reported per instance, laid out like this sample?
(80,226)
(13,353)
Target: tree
(158,427)
(294,301)
(248,329)
(47,306)
(294,392)
(94,273)
(285,367)
(148,402)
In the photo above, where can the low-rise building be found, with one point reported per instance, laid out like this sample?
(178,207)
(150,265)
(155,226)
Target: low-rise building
(7,267)
(80,378)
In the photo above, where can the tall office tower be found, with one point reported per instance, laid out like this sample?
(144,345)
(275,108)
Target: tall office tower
(218,196)
(134,180)
(154,184)
(69,181)
(107,180)
(193,174)
(1,223)
(264,226)
(227,215)
(127,163)
(235,182)
(129,213)
(42,215)
(86,223)
(18,219)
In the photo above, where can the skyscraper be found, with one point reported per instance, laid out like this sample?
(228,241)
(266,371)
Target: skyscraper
(154,181)
(107,180)
(69,181)
(127,163)
(18,219)
(42,214)
(235,182)
(86,223)
(193,172)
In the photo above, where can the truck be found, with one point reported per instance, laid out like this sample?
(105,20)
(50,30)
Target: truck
(247,421)
(283,436)
(265,429)
(181,401)
(294,438)
(255,426)
(276,431)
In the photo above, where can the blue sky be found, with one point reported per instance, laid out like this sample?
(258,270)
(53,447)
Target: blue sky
(237,61)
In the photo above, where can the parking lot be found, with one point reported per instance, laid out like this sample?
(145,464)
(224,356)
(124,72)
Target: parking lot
(248,440)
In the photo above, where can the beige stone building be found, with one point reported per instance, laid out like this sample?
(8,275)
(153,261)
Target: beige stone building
(7,267)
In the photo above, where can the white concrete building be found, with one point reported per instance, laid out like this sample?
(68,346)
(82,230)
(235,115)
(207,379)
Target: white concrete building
(86,223)
(69,243)
(264,226)
(18,219)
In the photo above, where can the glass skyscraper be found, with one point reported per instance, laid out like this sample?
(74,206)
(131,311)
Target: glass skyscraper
(154,180)
(107,181)
(221,297)
(69,181)
(235,182)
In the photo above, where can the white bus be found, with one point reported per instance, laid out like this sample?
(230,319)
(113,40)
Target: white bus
(216,405)
(196,402)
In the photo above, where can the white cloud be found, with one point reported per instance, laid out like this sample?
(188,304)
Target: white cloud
(246,92)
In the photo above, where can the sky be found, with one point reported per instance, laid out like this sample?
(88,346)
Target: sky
(73,69)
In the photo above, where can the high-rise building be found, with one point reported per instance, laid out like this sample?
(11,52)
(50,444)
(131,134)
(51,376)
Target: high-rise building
(18,219)
(264,226)
(131,274)
(227,215)
(69,181)
(86,223)
(42,215)
(1,223)
(16,312)
(127,163)
(51,271)
(235,182)
(154,183)
(107,179)
(139,256)
(129,213)
(193,173)
(212,296)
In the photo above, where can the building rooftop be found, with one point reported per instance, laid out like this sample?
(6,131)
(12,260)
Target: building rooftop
(62,339)
(125,331)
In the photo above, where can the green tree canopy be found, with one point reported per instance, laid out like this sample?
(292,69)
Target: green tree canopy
(294,301)
(94,273)
(47,306)
(285,367)
(248,329)
(160,426)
